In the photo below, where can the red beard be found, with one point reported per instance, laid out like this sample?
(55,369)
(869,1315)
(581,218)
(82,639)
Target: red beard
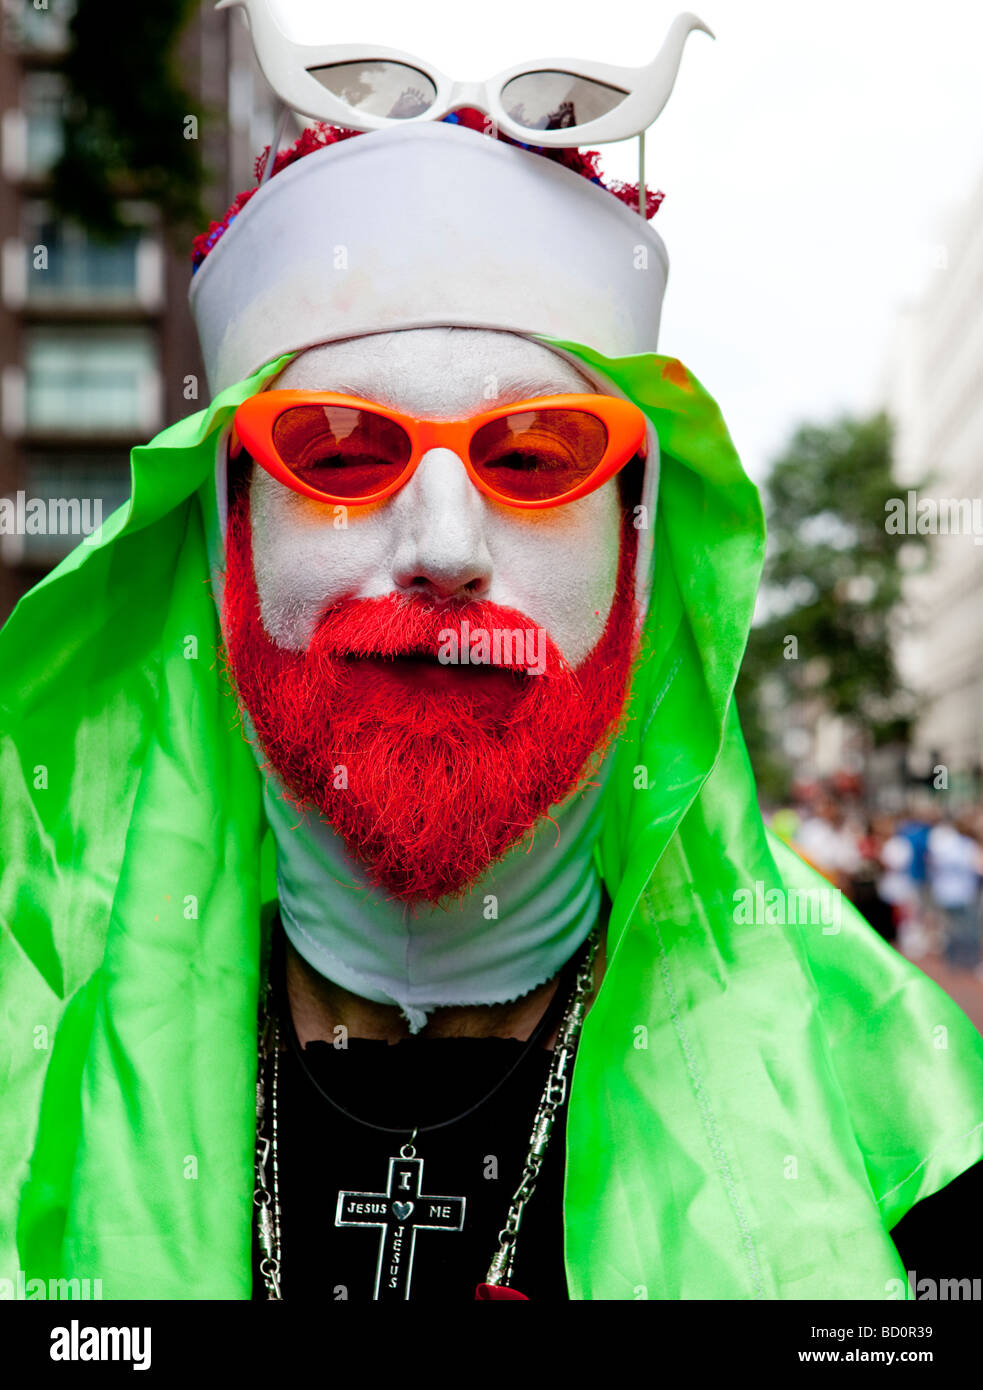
(429,772)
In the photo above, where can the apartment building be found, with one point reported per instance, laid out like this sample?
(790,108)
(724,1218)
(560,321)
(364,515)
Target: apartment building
(97,347)
(936,400)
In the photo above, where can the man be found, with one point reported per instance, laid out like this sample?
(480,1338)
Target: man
(549,1013)
(430,770)
(955,866)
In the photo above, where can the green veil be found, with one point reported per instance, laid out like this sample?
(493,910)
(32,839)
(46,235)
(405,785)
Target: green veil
(757,1100)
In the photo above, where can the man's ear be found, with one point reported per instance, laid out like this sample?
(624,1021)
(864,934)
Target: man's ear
(630,481)
(238,474)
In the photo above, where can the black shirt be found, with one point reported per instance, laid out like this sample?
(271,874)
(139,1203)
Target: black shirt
(421,1081)
(415,1083)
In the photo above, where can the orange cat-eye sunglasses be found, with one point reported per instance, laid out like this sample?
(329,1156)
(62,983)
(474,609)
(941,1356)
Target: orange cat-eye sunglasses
(348,451)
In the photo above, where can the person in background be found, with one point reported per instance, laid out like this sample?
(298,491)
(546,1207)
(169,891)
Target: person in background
(827,842)
(954,868)
(868,887)
(915,830)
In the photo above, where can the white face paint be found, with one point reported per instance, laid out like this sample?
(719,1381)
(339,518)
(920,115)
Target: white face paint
(438,535)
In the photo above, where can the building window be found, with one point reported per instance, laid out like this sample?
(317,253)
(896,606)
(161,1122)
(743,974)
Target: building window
(64,499)
(44,114)
(66,264)
(81,380)
(38,30)
(58,263)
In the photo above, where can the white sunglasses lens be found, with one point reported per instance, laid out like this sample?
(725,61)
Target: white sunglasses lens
(379,88)
(558,100)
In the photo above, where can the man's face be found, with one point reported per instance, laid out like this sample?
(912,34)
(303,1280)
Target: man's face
(429,770)
(438,535)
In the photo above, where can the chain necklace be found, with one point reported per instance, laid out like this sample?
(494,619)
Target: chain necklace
(391,1212)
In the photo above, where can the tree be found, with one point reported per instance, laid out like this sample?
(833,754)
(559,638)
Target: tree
(831,590)
(126,127)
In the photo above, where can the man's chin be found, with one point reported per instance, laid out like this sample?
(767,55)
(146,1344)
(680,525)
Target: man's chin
(431,777)
(450,858)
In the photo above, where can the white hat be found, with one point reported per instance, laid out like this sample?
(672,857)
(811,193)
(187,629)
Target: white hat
(423,225)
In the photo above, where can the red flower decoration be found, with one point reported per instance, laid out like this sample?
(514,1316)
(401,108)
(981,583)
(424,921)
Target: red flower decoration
(316,137)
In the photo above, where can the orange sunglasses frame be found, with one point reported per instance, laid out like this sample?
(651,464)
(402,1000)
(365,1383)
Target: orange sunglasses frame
(256,417)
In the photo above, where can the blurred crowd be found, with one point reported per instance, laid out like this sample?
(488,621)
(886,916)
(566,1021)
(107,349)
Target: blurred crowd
(916,876)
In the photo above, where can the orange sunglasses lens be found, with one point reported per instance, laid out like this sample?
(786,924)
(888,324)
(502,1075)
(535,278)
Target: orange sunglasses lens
(340,450)
(537,454)
(532,455)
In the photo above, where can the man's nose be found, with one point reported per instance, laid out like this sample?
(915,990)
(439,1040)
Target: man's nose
(440,534)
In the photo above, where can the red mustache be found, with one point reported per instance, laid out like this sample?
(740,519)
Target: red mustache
(396,625)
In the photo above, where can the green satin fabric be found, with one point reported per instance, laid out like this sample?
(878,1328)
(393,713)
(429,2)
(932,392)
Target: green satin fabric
(753,1106)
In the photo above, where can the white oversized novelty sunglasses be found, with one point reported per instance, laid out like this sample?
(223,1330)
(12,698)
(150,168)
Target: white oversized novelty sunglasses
(556,103)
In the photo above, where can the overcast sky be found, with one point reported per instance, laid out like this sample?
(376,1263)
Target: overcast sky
(811,157)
